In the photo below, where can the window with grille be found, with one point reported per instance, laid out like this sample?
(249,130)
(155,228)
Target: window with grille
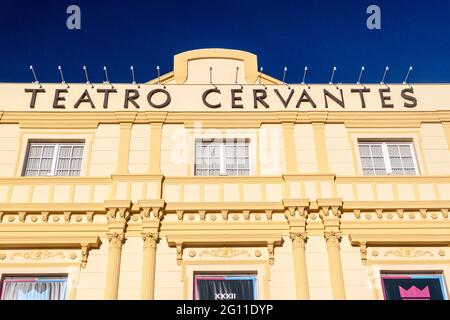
(222,157)
(54,159)
(387,158)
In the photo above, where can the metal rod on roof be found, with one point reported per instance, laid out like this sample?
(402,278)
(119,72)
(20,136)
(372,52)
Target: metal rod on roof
(62,76)
(35,77)
(304,74)
(133,77)
(407,75)
(360,75)
(332,75)
(384,75)
(87,76)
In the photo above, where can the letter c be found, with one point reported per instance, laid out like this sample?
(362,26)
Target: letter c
(205,95)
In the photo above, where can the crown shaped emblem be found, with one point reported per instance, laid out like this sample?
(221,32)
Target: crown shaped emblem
(415,293)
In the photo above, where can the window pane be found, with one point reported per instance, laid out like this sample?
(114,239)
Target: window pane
(35,151)
(208,158)
(372,161)
(364,150)
(376,151)
(69,157)
(401,159)
(405,150)
(393,150)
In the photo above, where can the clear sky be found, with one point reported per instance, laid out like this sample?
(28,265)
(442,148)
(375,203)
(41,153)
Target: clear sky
(319,34)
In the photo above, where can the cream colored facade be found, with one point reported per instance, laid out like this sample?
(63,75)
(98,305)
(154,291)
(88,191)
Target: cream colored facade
(137,223)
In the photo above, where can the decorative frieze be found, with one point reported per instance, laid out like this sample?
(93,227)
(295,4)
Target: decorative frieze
(408,253)
(225,253)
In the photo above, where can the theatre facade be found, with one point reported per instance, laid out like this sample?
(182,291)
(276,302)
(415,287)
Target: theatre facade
(216,181)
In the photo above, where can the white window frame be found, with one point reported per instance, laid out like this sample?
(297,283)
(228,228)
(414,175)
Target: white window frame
(386,158)
(57,145)
(222,143)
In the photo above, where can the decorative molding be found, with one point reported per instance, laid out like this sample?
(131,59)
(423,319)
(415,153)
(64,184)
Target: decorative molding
(405,252)
(67,215)
(37,255)
(179,248)
(90,216)
(363,251)
(45,215)
(117,211)
(227,253)
(270,251)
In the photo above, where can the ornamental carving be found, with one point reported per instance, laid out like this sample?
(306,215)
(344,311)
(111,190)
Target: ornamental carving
(298,238)
(333,238)
(330,212)
(37,255)
(225,253)
(408,253)
(150,239)
(118,214)
(115,239)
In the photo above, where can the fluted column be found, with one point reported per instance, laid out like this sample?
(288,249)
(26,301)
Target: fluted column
(334,259)
(118,213)
(113,270)
(148,266)
(330,213)
(300,269)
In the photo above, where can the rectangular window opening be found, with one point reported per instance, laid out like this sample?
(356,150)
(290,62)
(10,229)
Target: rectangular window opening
(387,158)
(33,287)
(225,286)
(413,286)
(53,159)
(222,157)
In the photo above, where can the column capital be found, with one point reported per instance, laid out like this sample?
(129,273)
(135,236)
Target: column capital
(333,238)
(115,239)
(298,239)
(150,239)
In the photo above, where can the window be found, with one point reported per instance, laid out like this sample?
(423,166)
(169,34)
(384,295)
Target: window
(387,158)
(54,159)
(413,286)
(33,288)
(222,157)
(225,287)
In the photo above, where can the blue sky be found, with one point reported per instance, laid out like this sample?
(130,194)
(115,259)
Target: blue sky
(319,34)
